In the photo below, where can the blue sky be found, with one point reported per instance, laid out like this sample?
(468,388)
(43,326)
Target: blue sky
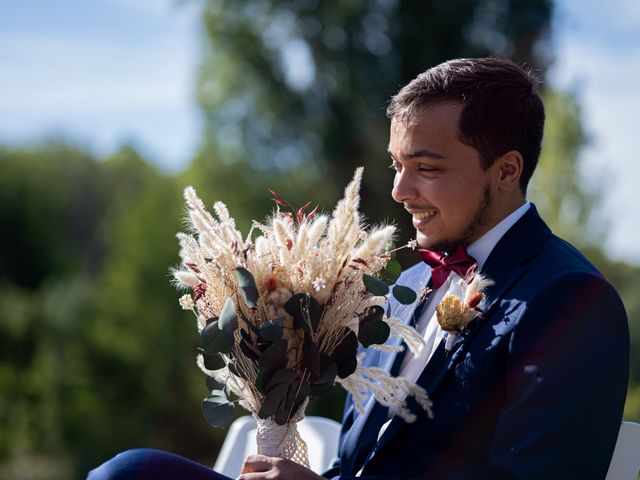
(110,71)
(100,73)
(598,54)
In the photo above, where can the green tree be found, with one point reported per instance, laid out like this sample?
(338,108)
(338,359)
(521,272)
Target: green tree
(50,204)
(569,204)
(559,187)
(302,83)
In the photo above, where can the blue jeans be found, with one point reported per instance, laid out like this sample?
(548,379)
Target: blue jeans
(148,464)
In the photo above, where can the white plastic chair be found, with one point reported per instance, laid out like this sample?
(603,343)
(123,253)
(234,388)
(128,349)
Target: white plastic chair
(625,463)
(321,435)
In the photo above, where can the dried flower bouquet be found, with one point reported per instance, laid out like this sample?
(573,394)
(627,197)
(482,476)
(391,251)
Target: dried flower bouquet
(282,316)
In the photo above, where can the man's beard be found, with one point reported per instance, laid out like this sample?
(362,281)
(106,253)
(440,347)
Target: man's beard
(477,223)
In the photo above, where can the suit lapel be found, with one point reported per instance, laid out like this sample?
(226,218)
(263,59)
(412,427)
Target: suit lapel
(505,265)
(389,361)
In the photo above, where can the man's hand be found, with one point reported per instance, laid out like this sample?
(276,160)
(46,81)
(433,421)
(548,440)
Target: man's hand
(273,468)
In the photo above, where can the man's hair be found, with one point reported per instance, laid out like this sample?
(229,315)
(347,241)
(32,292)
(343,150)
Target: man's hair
(502,109)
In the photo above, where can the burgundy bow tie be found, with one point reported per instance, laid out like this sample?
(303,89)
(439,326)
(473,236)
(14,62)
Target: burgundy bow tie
(441,265)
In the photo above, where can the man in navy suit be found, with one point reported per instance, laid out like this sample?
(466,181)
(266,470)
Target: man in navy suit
(535,388)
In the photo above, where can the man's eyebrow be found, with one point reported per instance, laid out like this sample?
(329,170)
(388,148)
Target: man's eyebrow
(421,154)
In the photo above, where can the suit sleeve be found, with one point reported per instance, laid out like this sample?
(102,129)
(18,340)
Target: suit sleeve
(568,368)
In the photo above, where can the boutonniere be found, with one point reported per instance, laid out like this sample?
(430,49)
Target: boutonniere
(455,313)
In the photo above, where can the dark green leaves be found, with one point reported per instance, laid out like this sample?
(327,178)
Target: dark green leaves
(375,286)
(344,355)
(328,371)
(247,285)
(404,295)
(275,356)
(247,347)
(217,409)
(213,384)
(271,330)
(215,340)
(228,320)
(391,272)
(373,330)
(380,287)
(311,356)
(283,395)
(305,310)
(213,361)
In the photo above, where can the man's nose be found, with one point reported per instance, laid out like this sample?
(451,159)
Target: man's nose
(404,189)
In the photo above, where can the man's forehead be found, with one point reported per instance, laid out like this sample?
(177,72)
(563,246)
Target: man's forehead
(441,114)
(413,116)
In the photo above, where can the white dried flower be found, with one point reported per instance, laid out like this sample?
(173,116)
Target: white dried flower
(319,284)
(412,244)
(186,302)
(186,279)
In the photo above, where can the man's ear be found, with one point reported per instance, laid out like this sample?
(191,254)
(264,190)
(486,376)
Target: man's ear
(509,170)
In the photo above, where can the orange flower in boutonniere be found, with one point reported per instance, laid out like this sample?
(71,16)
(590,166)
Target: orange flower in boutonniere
(454,313)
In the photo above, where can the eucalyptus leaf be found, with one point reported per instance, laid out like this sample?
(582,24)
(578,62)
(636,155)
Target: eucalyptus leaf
(215,340)
(391,272)
(271,330)
(315,313)
(217,410)
(220,394)
(324,382)
(213,384)
(375,286)
(295,396)
(247,285)
(213,361)
(373,332)
(344,355)
(404,295)
(271,360)
(311,356)
(272,400)
(228,320)
(282,414)
(374,312)
(275,356)
(249,350)
(318,389)
(328,369)
(347,366)
(282,376)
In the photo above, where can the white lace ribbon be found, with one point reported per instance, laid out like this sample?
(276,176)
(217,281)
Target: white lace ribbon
(283,441)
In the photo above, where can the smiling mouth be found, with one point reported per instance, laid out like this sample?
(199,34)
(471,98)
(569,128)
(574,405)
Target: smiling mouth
(423,215)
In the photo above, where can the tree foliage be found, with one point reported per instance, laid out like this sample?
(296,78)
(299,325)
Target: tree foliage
(567,201)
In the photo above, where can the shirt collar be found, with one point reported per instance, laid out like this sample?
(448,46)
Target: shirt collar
(481,248)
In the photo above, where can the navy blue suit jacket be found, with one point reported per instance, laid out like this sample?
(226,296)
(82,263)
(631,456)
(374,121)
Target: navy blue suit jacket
(533,390)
